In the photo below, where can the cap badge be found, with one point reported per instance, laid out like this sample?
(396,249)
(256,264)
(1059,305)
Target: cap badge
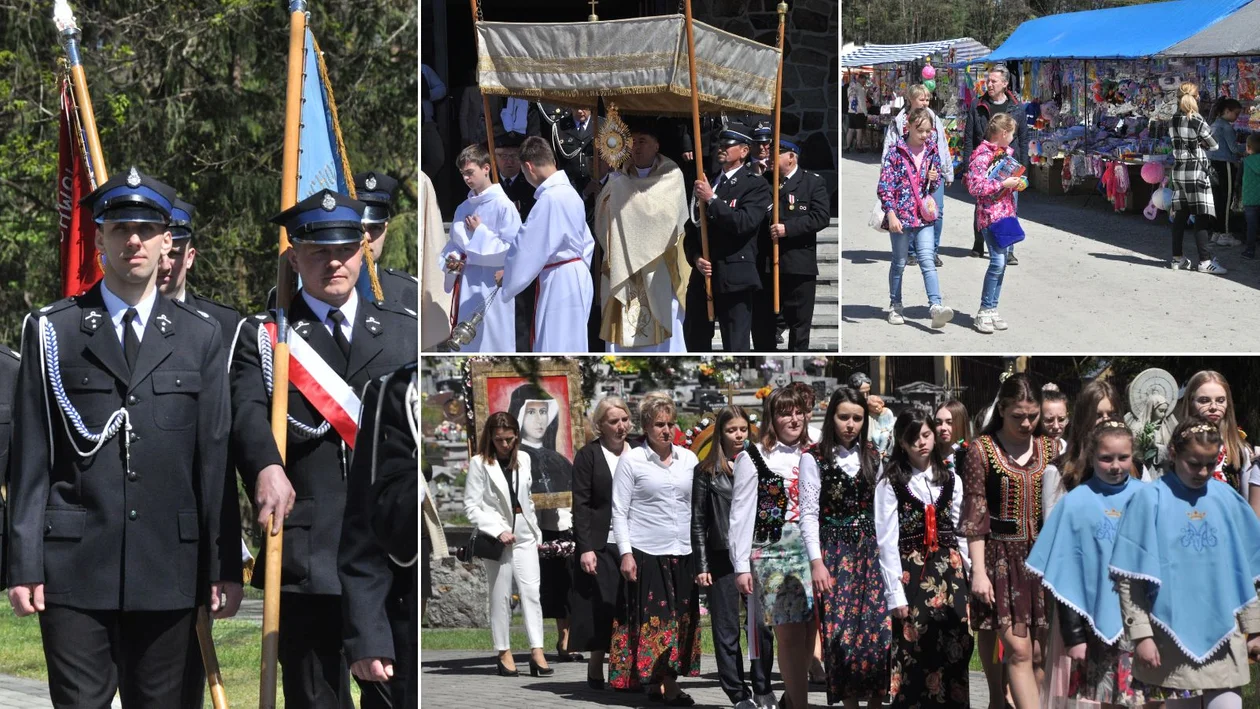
(329,203)
(133,178)
(370,182)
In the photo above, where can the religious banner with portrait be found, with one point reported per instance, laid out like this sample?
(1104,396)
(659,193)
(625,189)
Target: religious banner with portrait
(546,401)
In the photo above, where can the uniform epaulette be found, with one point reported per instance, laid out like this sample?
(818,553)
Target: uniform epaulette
(6,350)
(216,305)
(402,274)
(394,308)
(54,307)
(201,314)
(264,317)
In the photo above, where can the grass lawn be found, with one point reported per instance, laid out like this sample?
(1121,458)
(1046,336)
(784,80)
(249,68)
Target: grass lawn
(236,642)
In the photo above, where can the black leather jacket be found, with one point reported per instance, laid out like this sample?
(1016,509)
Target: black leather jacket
(710,515)
(1073,626)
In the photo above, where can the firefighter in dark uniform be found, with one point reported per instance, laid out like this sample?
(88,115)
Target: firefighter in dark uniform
(574,144)
(736,202)
(172,282)
(343,341)
(376,190)
(119,448)
(378,592)
(8,382)
(803,207)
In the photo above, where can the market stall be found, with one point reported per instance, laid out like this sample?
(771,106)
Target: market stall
(1099,102)
(894,67)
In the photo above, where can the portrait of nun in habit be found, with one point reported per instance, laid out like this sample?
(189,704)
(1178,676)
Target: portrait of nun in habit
(539,415)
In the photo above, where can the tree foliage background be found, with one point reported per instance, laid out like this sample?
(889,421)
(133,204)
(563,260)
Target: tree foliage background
(988,21)
(192,92)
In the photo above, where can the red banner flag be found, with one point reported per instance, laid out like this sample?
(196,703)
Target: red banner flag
(79,267)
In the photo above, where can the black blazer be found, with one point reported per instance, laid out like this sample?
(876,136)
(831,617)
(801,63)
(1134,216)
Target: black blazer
(374,589)
(102,533)
(8,382)
(735,218)
(592,498)
(803,211)
(399,287)
(521,193)
(384,338)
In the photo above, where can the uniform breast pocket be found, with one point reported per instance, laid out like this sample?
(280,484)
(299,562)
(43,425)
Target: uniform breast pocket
(93,392)
(175,399)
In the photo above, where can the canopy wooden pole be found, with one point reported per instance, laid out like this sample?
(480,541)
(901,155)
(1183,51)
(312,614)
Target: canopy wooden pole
(280,373)
(485,102)
(698,140)
(778,113)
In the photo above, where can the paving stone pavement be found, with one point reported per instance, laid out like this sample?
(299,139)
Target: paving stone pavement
(454,679)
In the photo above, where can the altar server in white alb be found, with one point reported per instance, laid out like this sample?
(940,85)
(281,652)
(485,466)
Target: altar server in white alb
(555,246)
(483,230)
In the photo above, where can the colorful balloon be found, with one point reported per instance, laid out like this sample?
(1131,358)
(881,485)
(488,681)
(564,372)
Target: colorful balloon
(929,72)
(1153,173)
(929,84)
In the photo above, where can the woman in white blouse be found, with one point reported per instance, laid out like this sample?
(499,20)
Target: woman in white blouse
(657,638)
(767,549)
(497,502)
(924,564)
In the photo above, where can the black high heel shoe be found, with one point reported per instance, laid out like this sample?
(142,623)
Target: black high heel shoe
(563,655)
(594,682)
(537,670)
(505,672)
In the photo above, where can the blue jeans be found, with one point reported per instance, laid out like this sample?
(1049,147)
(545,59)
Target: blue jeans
(939,225)
(993,277)
(924,250)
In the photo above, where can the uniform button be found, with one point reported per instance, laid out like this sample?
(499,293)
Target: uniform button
(132,515)
(133,477)
(48,527)
(85,380)
(179,382)
(132,399)
(134,437)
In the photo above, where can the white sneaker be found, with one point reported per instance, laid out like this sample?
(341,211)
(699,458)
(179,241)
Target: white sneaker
(941,315)
(984,321)
(895,316)
(1227,240)
(767,701)
(745,704)
(1212,266)
(1182,264)
(998,322)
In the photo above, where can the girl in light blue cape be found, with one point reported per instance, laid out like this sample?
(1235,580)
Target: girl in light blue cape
(1186,561)
(1085,660)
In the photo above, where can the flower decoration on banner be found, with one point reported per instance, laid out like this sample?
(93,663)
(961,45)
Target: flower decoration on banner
(614,138)
(764,391)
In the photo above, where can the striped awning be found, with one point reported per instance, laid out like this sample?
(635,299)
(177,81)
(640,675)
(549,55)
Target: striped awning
(950,51)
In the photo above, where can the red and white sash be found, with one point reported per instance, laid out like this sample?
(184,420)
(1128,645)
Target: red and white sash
(331,396)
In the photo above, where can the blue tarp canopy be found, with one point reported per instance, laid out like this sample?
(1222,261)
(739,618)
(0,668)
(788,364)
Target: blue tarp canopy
(963,48)
(1115,33)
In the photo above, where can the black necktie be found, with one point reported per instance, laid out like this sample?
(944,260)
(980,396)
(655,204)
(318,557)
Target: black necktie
(131,341)
(339,335)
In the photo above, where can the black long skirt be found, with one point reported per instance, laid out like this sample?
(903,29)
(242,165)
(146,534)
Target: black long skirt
(555,580)
(594,600)
(657,632)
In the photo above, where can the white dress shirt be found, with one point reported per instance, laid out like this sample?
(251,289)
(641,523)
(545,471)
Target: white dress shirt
(652,502)
(784,461)
(849,461)
(117,309)
(349,309)
(888,528)
(613,460)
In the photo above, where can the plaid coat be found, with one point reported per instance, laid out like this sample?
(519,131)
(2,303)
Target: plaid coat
(1191,186)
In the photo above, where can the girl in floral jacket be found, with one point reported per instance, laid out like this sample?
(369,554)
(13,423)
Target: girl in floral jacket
(911,172)
(995,199)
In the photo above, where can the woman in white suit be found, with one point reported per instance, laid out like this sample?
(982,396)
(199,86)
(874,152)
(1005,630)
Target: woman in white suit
(497,502)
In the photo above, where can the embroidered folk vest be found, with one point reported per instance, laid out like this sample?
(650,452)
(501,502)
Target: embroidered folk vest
(846,505)
(772,501)
(1014,494)
(911,516)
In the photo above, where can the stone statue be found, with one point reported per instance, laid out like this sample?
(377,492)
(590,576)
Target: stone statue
(1152,430)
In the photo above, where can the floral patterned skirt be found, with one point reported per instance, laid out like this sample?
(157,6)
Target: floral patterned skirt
(1019,599)
(931,648)
(857,629)
(781,578)
(657,633)
(1105,677)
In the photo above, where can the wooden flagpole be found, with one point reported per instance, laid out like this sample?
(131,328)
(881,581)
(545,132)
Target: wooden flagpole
(697,141)
(778,113)
(280,373)
(64,17)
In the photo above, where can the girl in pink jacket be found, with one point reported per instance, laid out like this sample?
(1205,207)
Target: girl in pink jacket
(995,199)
